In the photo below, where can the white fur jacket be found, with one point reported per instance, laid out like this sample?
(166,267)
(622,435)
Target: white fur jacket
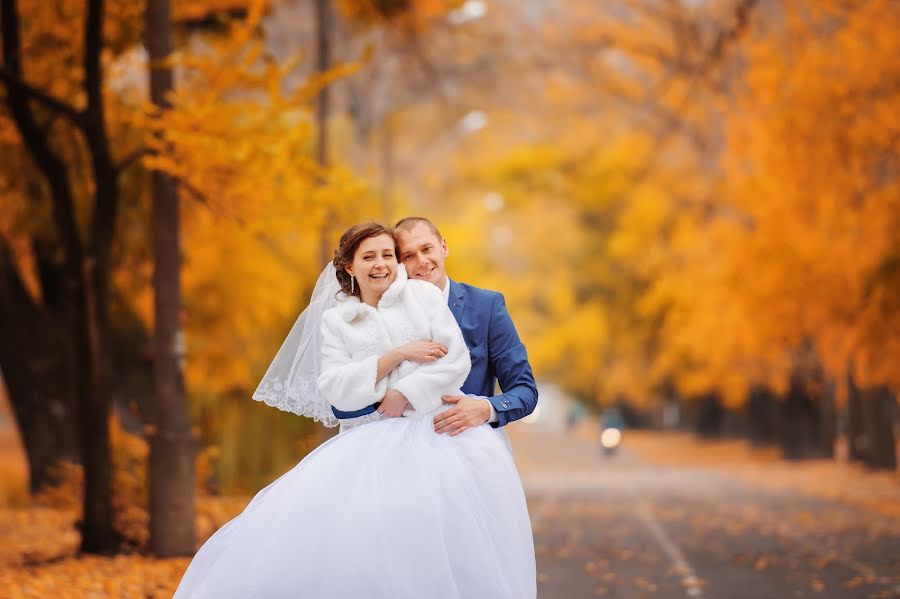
(355,335)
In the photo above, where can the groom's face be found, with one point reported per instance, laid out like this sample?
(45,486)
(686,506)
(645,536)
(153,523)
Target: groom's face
(423,254)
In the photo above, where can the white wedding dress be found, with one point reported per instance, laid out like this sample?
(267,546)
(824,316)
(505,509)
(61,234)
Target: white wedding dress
(387,510)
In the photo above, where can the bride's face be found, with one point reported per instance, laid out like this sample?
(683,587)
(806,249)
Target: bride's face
(374,266)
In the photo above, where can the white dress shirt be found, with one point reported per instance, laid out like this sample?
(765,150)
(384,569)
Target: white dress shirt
(446,291)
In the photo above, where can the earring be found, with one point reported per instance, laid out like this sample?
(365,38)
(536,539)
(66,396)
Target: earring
(352,287)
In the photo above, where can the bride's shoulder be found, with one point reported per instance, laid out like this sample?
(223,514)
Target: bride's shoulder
(343,313)
(331,318)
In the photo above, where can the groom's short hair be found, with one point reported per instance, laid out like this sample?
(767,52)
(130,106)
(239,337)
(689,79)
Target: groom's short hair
(409,222)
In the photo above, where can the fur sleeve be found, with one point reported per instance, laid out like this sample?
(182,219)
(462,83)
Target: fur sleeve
(345,383)
(425,385)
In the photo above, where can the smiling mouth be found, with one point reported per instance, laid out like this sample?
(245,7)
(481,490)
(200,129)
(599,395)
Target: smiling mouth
(422,275)
(383,276)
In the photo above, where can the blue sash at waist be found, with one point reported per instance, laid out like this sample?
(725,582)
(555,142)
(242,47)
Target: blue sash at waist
(342,415)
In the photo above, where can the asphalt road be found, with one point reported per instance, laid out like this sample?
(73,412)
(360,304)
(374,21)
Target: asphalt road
(624,527)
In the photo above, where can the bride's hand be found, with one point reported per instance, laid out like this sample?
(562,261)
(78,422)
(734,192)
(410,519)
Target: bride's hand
(424,351)
(393,404)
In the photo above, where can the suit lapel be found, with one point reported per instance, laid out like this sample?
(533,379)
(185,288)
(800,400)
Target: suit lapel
(456,300)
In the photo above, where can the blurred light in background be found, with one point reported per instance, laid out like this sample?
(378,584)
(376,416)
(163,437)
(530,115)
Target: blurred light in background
(474,120)
(472,10)
(534,416)
(610,438)
(493,202)
(502,235)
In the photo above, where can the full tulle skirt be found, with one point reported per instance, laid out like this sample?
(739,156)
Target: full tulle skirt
(387,510)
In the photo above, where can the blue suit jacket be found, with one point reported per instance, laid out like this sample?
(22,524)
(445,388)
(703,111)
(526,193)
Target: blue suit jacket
(497,352)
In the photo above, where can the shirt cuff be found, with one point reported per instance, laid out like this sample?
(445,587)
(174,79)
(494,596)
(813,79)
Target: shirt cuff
(493,417)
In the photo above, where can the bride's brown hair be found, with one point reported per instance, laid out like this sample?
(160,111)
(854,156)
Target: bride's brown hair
(350,240)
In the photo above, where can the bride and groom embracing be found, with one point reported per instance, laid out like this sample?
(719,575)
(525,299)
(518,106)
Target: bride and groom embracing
(418,496)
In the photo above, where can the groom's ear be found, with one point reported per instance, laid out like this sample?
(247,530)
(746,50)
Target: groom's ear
(445,248)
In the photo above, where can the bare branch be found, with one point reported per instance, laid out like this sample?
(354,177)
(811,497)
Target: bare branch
(33,93)
(731,34)
(52,166)
(130,159)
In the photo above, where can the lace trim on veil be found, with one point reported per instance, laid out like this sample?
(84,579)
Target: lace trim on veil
(302,398)
(290,383)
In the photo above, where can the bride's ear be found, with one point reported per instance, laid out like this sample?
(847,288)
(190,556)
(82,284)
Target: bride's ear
(349,270)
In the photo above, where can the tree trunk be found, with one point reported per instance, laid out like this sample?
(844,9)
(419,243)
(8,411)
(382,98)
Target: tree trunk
(827,420)
(86,270)
(710,416)
(799,423)
(97,535)
(387,170)
(878,407)
(35,364)
(171,444)
(762,414)
(323,64)
(856,433)
(323,111)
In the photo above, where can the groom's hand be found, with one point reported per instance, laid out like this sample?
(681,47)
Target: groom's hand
(468,413)
(393,404)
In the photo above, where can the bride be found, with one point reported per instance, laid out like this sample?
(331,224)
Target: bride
(387,509)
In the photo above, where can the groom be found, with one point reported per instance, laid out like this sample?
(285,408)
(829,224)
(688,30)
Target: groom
(497,353)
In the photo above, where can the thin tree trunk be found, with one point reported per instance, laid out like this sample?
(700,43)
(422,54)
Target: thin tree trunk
(97,535)
(387,169)
(799,422)
(171,444)
(323,111)
(761,412)
(856,433)
(710,416)
(323,64)
(827,420)
(878,406)
(96,410)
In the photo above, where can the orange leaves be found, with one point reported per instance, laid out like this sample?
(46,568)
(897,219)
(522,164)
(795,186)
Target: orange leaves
(256,206)
(118,577)
(197,10)
(39,556)
(750,207)
(57,507)
(406,14)
(803,164)
(781,248)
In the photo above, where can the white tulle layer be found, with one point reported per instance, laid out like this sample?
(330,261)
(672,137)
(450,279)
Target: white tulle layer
(387,510)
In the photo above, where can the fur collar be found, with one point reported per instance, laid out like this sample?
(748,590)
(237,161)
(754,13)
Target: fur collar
(351,307)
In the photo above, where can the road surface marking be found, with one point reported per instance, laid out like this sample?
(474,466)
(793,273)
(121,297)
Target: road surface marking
(689,580)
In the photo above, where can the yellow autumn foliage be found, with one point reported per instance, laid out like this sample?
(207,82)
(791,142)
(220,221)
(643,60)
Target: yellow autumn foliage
(800,243)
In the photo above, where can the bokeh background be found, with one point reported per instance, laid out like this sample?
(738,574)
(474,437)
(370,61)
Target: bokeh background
(692,208)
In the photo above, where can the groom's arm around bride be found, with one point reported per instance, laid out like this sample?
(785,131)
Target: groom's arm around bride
(497,353)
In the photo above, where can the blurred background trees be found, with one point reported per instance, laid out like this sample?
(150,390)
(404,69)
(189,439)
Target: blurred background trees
(689,205)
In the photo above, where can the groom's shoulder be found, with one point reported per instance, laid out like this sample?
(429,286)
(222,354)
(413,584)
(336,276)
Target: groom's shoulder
(479,294)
